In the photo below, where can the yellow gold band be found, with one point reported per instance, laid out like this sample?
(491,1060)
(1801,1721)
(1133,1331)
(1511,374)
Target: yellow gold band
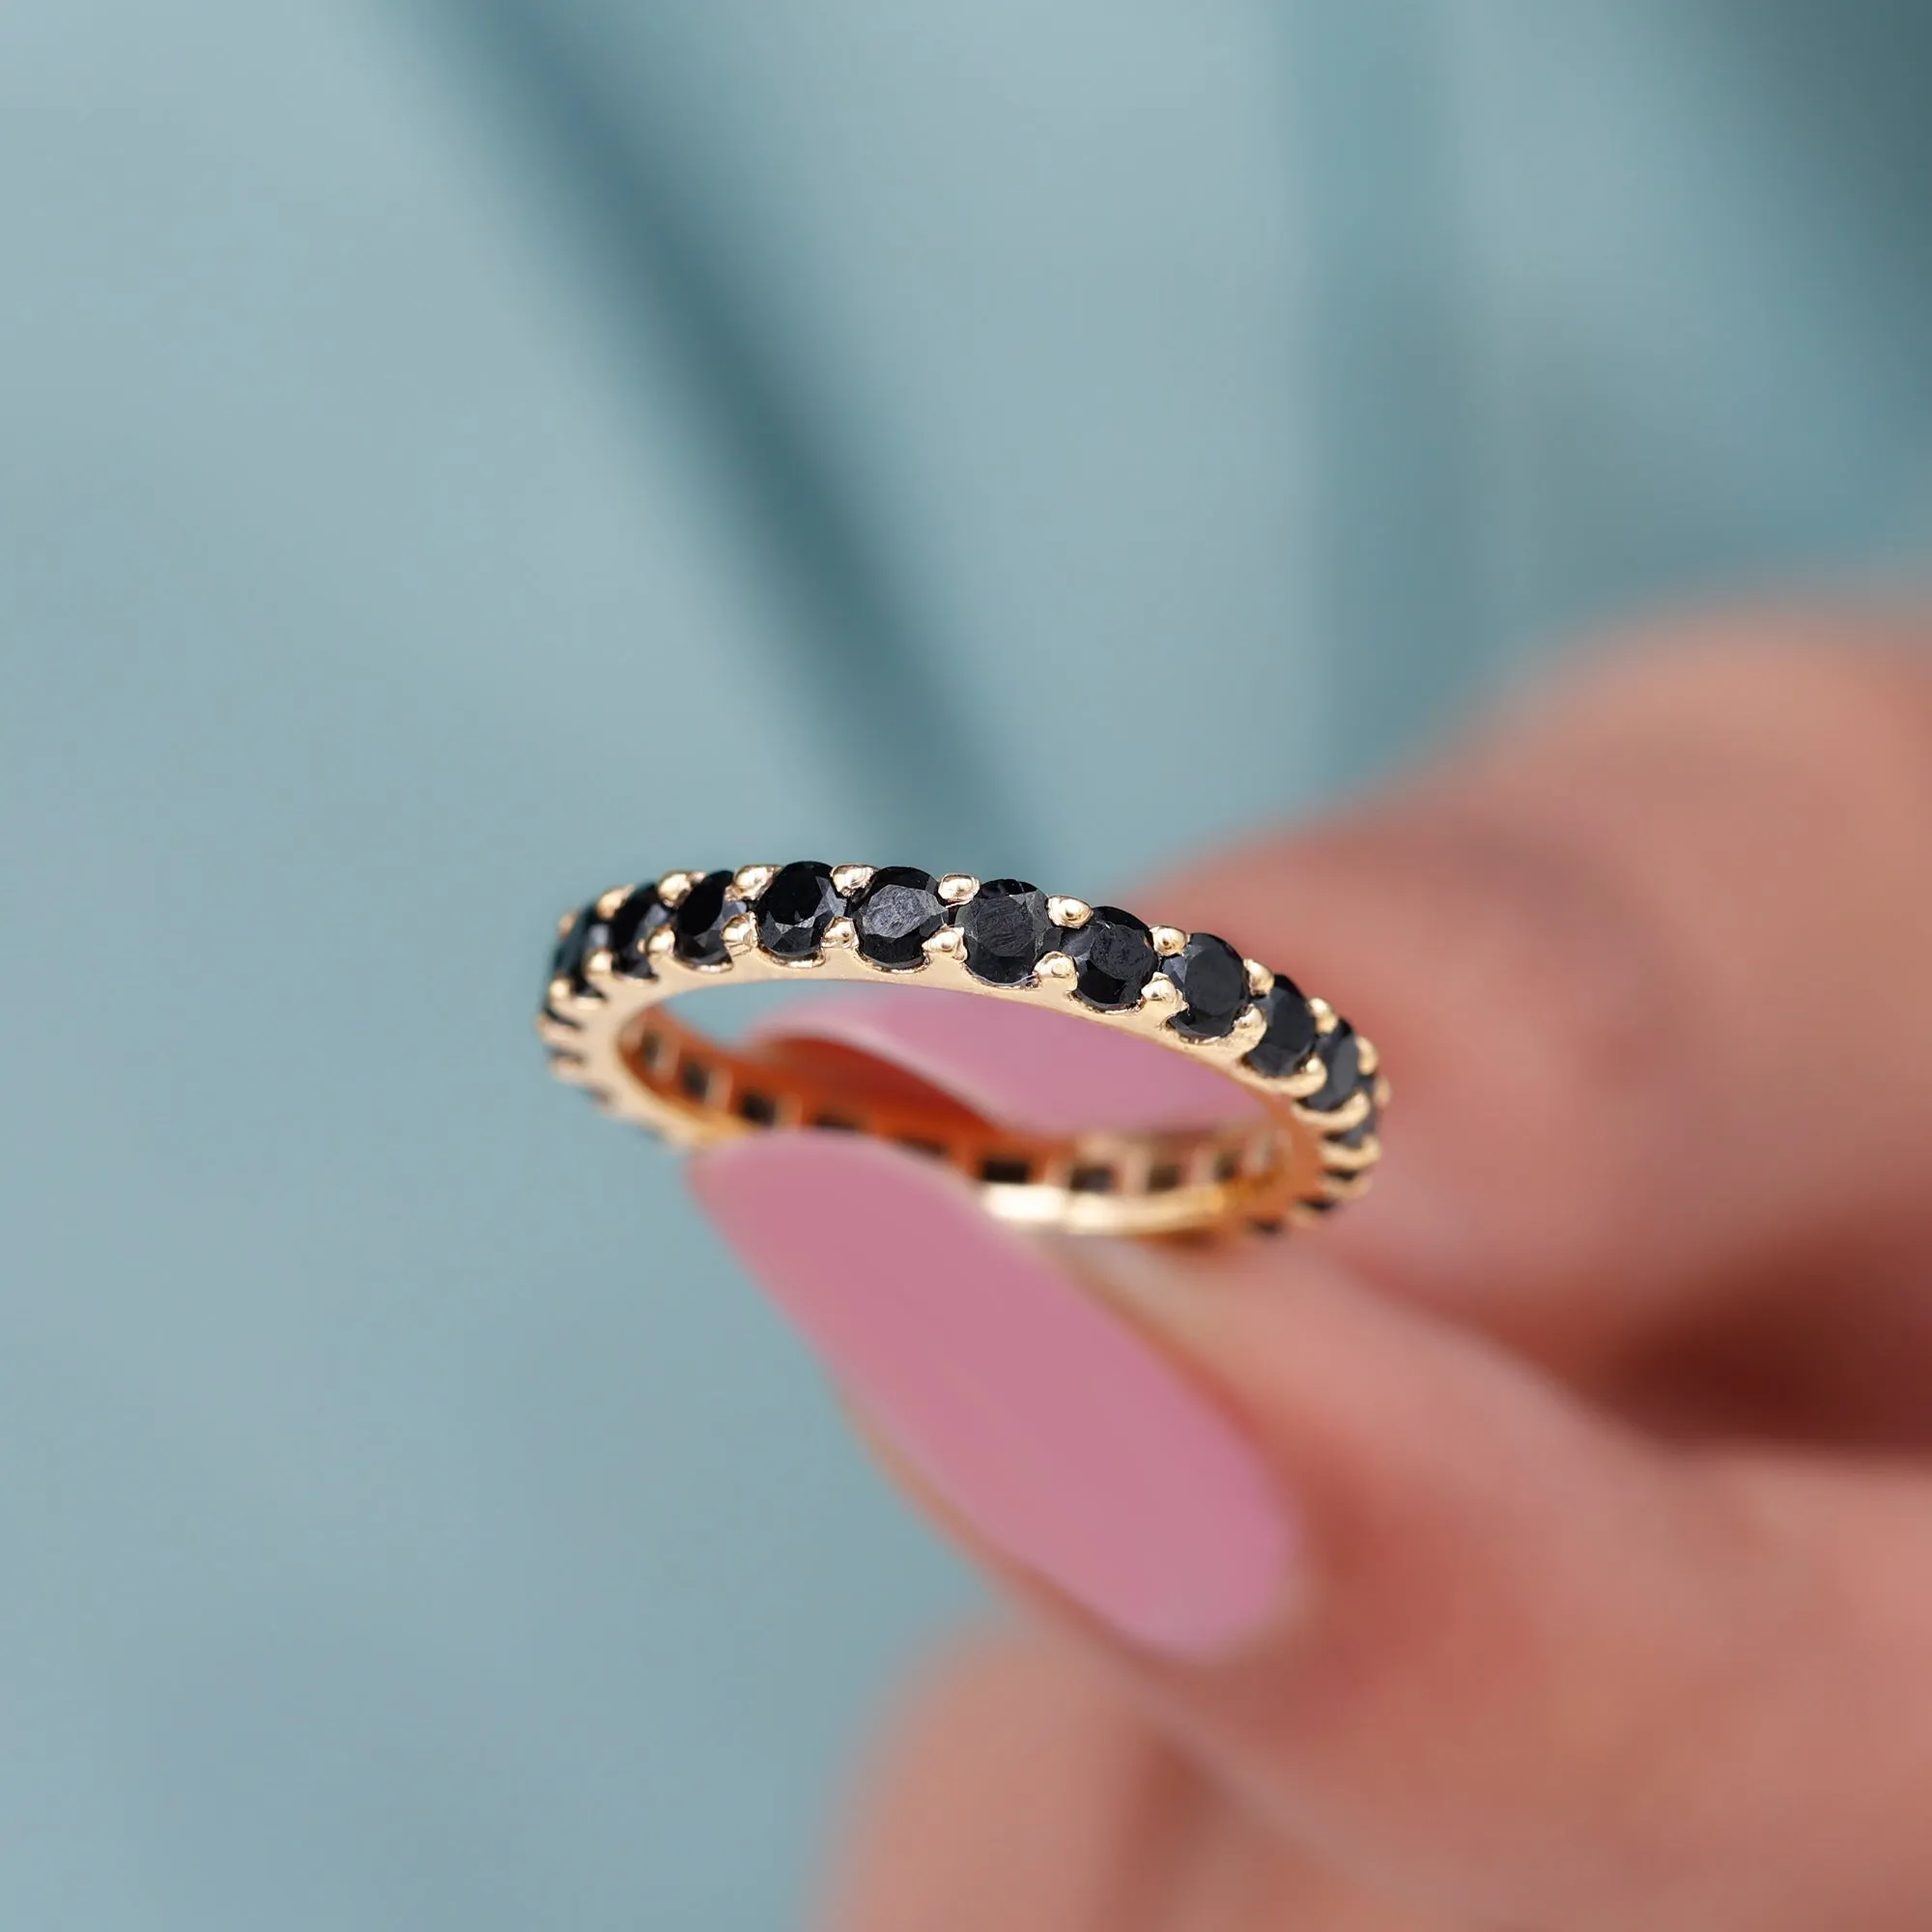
(1311,1143)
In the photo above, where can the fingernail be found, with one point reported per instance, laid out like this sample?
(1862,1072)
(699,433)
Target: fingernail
(1053,1431)
(1043,1071)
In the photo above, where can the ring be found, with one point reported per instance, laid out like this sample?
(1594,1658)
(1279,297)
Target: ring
(1304,1140)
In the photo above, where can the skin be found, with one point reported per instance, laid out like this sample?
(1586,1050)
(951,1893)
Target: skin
(1607,1419)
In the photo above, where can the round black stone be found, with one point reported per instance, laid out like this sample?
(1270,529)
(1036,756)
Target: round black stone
(1007,929)
(1289,1034)
(630,929)
(896,914)
(623,934)
(1341,1054)
(1114,953)
(566,961)
(1213,982)
(702,917)
(798,905)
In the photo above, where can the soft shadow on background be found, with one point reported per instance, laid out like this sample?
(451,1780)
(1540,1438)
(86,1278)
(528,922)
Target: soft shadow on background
(452,458)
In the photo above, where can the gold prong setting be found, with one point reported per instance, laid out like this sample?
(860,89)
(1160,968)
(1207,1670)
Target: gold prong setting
(1320,1082)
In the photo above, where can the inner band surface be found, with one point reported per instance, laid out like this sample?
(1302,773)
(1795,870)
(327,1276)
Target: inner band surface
(1104,1180)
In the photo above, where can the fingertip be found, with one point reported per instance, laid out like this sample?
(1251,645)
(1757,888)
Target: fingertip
(1053,1431)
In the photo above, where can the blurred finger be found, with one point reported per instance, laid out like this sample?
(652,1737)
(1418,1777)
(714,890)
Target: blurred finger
(1646,967)
(1647,963)
(1446,1630)
(1019,1790)
(1635,965)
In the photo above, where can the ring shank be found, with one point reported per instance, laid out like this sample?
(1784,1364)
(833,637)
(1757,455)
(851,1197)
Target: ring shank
(1270,1165)
(1100,1181)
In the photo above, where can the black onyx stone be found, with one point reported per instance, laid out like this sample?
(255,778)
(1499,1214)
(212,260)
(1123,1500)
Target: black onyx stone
(1007,929)
(1359,1133)
(1341,1054)
(896,914)
(1007,1170)
(1289,1033)
(566,962)
(630,932)
(1213,982)
(798,905)
(623,935)
(701,918)
(1114,953)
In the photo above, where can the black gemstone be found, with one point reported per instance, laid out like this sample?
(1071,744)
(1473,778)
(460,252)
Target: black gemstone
(798,905)
(1341,1053)
(622,934)
(701,918)
(896,914)
(1115,955)
(630,929)
(1359,1132)
(1212,979)
(566,962)
(1289,1032)
(1007,929)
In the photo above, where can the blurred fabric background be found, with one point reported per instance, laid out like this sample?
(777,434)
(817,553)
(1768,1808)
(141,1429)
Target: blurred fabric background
(455,457)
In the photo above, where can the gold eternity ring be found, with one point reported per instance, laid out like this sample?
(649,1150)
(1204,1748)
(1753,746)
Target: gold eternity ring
(1307,1141)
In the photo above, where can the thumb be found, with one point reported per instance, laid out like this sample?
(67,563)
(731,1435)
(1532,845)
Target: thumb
(1444,1627)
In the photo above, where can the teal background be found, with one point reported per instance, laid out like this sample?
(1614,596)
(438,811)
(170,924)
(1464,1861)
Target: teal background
(452,458)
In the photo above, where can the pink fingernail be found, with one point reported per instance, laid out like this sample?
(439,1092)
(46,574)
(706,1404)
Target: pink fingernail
(1065,1441)
(1044,1071)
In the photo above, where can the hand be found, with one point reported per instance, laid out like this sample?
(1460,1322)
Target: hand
(1547,1540)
